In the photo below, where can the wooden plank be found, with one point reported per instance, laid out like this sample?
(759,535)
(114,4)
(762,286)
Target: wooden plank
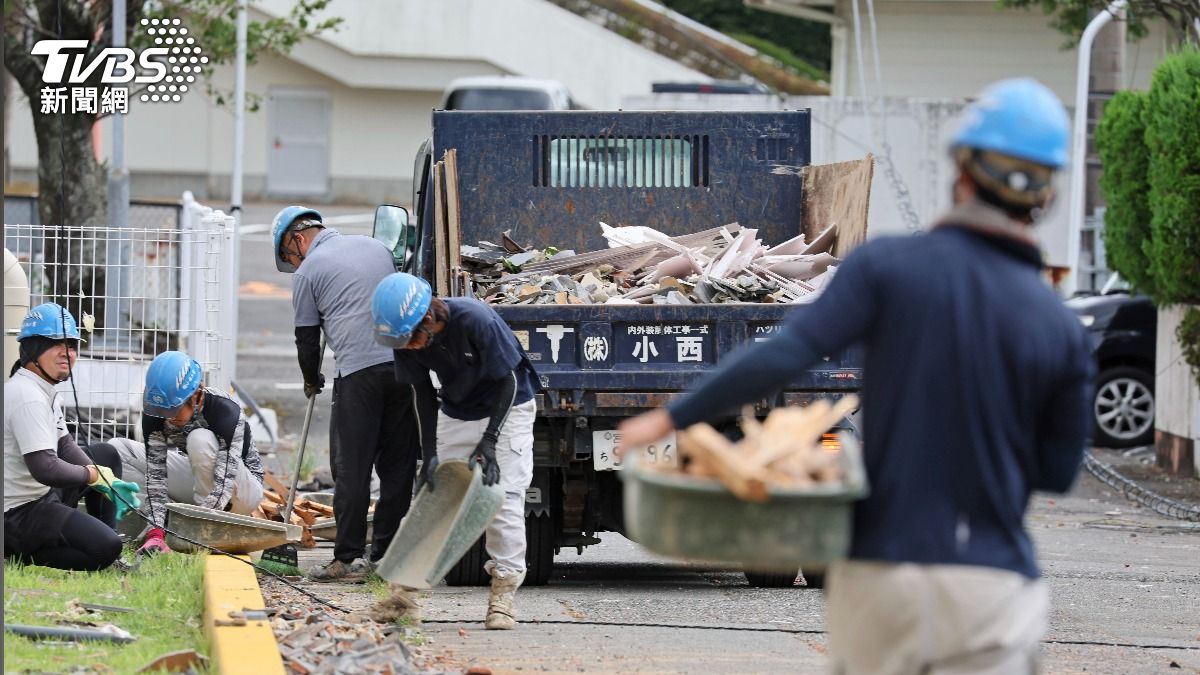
(453,225)
(281,490)
(441,251)
(715,453)
(838,194)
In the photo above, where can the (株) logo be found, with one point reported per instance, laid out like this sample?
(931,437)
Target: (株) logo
(167,71)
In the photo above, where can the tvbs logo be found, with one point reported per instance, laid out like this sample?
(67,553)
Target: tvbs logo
(164,71)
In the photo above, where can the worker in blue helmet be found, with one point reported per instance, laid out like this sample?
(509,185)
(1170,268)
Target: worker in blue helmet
(46,473)
(486,409)
(197,447)
(977,383)
(371,423)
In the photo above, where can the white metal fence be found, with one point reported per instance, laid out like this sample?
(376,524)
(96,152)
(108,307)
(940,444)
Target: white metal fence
(164,282)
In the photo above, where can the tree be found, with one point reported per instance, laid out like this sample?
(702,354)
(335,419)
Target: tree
(71,182)
(807,40)
(1071,16)
(1150,143)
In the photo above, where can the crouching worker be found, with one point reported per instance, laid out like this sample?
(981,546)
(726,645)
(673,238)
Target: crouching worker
(198,448)
(45,471)
(487,408)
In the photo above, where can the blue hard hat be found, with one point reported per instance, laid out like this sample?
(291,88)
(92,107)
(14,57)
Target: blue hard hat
(50,320)
(398,306)
(1020,118)
(171,378)
(283,221)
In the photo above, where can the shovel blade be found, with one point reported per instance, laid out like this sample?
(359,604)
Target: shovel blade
(441,526)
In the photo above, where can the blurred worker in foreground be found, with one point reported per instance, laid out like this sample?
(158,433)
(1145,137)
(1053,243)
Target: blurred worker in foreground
(46,473)
(976,388)
(198,447)
(371,421)
(486,411)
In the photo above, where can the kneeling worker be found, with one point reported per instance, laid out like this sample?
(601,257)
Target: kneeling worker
(487,407)
(198,447)
(45,472)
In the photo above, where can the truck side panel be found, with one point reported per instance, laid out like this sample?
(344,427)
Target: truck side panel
(551,177)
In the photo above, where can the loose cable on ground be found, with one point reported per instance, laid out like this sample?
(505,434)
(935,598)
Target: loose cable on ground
(1132,491)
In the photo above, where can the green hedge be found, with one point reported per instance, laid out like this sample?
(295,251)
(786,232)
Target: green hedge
(1120,140)
(1173,141)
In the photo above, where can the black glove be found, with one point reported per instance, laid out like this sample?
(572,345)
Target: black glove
(485,456)
(311,390)
(429,466)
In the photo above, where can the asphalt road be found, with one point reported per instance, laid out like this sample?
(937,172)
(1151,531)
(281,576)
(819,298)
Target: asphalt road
(1125,582)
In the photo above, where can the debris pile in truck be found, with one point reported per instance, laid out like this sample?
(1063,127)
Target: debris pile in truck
(645,266)
(789,449)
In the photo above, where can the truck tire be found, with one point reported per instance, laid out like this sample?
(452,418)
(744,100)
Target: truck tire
(469,570)
(540,533)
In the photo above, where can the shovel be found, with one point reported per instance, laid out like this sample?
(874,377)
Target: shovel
(286,553)
(441,526)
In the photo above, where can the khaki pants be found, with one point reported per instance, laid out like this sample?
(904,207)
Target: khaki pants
(890,619)
(456,439)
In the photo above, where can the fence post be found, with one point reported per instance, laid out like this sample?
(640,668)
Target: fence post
(221,301)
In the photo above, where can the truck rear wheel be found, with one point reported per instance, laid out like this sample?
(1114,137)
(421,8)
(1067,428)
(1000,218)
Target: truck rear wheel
(469,570)
(540,533)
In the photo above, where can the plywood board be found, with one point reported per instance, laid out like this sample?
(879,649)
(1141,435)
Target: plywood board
(838,194)
(441,255)
(453,226)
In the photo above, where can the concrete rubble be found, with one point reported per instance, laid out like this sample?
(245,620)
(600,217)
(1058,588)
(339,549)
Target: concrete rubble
(314,640)
(644,266)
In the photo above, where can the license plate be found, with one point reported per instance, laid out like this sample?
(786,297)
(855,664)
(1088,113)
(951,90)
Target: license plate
(604,459)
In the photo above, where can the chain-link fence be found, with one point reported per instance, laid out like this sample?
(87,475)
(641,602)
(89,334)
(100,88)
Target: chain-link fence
(158,284)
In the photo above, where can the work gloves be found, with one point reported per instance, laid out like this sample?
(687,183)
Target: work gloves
(311,389)
(155,542)
(429,466)
(485,456)
(107,484)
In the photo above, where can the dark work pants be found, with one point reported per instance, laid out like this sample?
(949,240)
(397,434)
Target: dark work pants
(52,532)
(372,425)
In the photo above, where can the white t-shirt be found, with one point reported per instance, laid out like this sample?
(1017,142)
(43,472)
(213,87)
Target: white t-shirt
(33,421)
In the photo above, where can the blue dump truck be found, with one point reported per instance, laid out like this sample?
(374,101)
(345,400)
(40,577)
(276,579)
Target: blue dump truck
(549,179)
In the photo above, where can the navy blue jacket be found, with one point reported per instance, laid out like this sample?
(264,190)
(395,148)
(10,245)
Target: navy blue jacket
(977,390)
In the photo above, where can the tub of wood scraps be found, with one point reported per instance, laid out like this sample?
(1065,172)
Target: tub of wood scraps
(780,499)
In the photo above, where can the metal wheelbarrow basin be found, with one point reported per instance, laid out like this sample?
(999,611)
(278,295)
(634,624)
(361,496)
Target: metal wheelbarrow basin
(441,526)
(229,532)
(699,519)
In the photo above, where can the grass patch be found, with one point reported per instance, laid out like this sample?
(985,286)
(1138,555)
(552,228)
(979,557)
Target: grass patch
(165,593)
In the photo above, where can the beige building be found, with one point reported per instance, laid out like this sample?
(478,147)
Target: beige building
(342,116)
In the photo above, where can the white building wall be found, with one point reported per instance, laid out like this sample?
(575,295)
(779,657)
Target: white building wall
(918,131)
(384,71)
(953,48)
(533,38)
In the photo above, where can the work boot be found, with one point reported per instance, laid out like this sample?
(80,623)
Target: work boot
(355,571)
(501,614)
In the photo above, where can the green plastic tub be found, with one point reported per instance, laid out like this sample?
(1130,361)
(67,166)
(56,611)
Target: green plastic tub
(699,520)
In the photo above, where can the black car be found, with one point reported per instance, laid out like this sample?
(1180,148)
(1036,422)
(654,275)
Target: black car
(1124,329)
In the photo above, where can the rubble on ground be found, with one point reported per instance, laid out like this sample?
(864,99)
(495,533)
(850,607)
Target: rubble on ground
(318,641)
(644,266)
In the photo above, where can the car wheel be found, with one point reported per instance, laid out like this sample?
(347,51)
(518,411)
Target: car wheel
(1123,408)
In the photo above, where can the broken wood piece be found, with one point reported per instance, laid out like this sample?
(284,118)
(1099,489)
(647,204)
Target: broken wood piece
(274,497)
(731,468)
(183,661)
(324,510)
(281,490)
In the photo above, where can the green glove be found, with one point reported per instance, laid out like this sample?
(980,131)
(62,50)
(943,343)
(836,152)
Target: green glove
(127,494)
(104,480)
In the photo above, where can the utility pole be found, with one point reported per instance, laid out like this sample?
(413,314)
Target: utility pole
(116,278)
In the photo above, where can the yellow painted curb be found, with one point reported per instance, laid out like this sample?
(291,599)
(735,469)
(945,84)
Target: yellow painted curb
(231,586)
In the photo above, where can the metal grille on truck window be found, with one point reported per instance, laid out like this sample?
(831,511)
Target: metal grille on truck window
(663,161)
